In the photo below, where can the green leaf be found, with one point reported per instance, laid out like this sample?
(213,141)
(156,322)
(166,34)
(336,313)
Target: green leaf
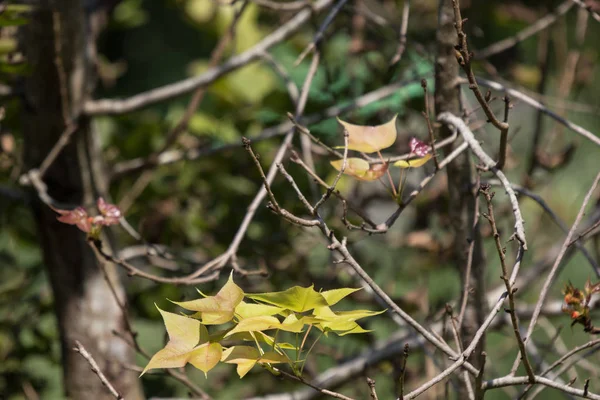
(297,298)
(334,296)
(218,309)
(342,323)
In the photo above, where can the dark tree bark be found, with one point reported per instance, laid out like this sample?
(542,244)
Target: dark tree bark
(461,202)
(85,308)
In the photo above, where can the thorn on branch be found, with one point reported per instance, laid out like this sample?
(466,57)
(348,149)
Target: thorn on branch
(586,387)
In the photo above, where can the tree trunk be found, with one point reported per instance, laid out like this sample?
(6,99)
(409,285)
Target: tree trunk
(460,182)
(54,93)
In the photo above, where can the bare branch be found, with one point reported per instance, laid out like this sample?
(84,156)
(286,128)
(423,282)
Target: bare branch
(489,163)
(539,106)
(526,33)
(88,357)
(554,269)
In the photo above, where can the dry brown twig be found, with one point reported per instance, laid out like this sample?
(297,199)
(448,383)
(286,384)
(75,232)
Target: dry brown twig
(88,357)
(551,275)
(485,191)
(464,58)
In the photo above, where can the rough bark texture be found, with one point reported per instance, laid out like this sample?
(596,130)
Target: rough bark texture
(460,180)
(85,308)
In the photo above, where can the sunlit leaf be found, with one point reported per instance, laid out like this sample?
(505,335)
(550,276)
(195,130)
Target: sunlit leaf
(206,356)
(217,309)
(298,299)
(248,310)
(415,163)
(370,139)
(261,337)
(184,335)
(247,357)
(292,324)
(361,169)
(343,322)
(253,324)
(334,296)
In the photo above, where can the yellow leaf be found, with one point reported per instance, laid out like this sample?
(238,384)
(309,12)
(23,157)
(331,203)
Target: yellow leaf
(414,163)
(370,139)
(254,324)
(206,356)
(218,309)
(361,169)
(247,357)
(297,298)
(184,335)
(292,324)
(334,296)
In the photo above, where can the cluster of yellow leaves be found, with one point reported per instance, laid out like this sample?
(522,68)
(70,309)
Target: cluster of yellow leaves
(373,139)
(292,310)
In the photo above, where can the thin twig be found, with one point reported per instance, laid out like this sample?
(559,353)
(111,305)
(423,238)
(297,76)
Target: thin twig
(470,253)
(200,276)
(485,190)
(403,30)
(561,224)
(554,269)
(489,163)
(429,127)
(173,135)
(88,357)
(318,389)
(384,227)
(464,58)
(321,32)
(114,106)
(522,380)
(331,188)
(479,392)
(403,371)
(372,389)
(539,106)
(538,26)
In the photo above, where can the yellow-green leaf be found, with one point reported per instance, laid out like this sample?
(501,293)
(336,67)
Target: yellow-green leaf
(334,296)
(217,309)
(292,324)
(370,139)
(261,337)
(255,324)
(361,169)
(246,357)
(206,356)
(414,163)
(184,335)
(298,299)
(248,310)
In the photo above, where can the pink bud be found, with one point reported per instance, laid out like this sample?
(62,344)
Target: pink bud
(418,147)
(110,212)
(77,216)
